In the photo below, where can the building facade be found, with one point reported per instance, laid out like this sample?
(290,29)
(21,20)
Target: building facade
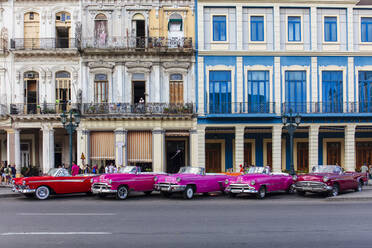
(259,60)
(127,66)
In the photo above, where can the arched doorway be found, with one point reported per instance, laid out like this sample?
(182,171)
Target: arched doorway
(63,29)
(63,90)
(31,30)
(139,30)
(31,85)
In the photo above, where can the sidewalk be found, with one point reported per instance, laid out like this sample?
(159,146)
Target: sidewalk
(6,191)
(365,195)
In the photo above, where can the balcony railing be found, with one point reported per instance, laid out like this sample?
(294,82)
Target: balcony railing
(155,43)
(327,107)
(43,109)
(241,108)
(42,43)
(137,109)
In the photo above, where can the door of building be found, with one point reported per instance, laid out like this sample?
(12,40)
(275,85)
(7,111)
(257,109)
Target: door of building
(333,153)
(247,154)
(213,157)
(363,154)
(175,155)
(269,155)
(302,156)
(25,155)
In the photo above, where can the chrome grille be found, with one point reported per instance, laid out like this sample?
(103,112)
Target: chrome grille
(240,186)
(101,186)
(310,184)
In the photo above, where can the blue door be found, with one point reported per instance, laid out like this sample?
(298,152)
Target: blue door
(295,91)
(365,91)
(219,92)
(258,92)
(332,91)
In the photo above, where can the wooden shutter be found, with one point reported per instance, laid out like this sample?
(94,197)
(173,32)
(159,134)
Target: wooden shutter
(176,92)
(139,144)
(102,145)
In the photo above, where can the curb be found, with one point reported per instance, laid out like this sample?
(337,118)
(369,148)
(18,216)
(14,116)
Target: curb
(359,198)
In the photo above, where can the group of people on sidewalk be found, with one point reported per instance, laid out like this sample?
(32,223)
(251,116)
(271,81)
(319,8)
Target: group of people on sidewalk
(8,172)
(366,169)
(109,168)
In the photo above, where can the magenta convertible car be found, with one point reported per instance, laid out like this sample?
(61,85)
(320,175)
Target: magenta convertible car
(260,181)
(190,180)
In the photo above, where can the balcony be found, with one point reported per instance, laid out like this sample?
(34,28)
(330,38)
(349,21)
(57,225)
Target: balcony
(36,109)
(133,44)
(137,109)
(27,44)
(327,107)
(241,108)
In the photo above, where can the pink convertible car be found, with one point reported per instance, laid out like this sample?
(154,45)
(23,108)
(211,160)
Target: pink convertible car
(121,184)
(190,180)
(259,181)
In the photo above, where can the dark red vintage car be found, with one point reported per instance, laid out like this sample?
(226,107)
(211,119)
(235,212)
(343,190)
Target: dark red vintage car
(57,181)
(329,180)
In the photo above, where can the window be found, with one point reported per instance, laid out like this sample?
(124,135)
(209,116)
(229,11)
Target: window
(175,22)
(365,91)
(258,91)
(100,29)
(294,28)
(257,28)
(63,90)
(332,91)
(295,91)
(175,89)
(330,29)
(366,29)
(219,28)
(100,88)
(220,92)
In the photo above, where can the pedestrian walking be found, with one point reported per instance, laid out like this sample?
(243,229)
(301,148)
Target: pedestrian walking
(95,169)
(13,171)
(87,169)
(7,172)
(364,168)
(370,171)
(75,169)
(2,174)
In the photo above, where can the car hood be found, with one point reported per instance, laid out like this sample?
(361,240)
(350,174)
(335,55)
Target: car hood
(173,178)
(315,176)
(248,178)
(116,176)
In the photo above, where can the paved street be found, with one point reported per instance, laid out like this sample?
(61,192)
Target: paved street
(207,221)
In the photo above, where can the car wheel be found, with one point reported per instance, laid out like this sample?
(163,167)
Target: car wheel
(122,193)
(232,195)
(291,189)
(188,193)
(166,194)
(359,187)
(42,193)
(261,192)
(335,190)
(301,193)
(148,192)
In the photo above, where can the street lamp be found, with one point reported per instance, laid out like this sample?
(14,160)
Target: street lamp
(291,123)
(70,122)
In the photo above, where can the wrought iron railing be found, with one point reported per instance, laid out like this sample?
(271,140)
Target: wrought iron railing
(138,108)
(43,109)
(241,108)
(326,107)
(42,43)
(138,43)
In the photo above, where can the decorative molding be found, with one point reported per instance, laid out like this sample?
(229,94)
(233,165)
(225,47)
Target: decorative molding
(101,64)
(181,65)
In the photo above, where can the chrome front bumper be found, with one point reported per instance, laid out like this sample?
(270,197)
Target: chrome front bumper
(315,187)
(237,188)
(102,188)
(23,190)
(169,187)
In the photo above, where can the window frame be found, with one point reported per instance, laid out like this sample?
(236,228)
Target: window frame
(287,29)
(360,29)
(228,108)
(266,81)
(364,106)
(325,108)
(337,29)
(101,82)
(226,28)
(303,107)
(250,28)
(178,81)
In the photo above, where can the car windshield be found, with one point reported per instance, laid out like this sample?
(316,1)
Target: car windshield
(327,169)
(128,169)
(191,170)
(257,170)
(58,172)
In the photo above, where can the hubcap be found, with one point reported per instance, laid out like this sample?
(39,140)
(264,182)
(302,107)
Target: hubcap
(42,192)
(189,193)
(262,193)
(335,191)
(123,193)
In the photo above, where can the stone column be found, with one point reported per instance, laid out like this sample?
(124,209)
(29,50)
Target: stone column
(48,148)
(313,146)
(200,86)
(83,146)
(14,149)
(276,27)
(201,147)
(194,147)
(350,148)
(121,147)
(239,24)
(158,150)
(350,28)
(277,78)
(314,24)
(239,147)
(277,148)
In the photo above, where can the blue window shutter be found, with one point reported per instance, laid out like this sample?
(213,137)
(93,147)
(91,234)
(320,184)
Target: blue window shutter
(295,91)
(330,29)
(366,29)
(332,87)
(294,28)
(258,91)
(365,91)
(219,28)
(219,92)
(257,28)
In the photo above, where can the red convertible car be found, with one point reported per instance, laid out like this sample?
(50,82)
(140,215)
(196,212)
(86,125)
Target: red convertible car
(57,181)
(329,180)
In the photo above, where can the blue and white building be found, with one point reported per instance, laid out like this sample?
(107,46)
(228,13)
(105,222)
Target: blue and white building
(258,60)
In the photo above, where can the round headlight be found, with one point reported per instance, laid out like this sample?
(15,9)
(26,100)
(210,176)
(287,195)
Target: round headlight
(23,183)
(253,182)
(294,177)
(178,179)
(91,180)
(110,181)
(155,179)
(227,181)
(325,179)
